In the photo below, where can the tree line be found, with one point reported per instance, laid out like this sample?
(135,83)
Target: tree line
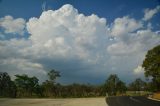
(27,86)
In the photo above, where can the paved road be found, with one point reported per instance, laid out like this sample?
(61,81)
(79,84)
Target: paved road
(131,101)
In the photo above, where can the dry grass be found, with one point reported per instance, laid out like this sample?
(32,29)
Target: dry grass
(156,96)
(137,93)
(54,102)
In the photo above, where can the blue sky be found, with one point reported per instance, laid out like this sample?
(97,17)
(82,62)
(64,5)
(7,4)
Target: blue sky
(109,9)
(85,40)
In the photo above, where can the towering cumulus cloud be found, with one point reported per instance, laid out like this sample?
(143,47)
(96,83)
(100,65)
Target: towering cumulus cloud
(65,32)
(75,44)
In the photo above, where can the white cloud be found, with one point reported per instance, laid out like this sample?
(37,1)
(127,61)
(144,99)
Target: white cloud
(122,48)
(138,42)
(66,32)
(149,13)
(138,70)
(23,66)
(124,25)
(11,25)
(61,37)
(77,45)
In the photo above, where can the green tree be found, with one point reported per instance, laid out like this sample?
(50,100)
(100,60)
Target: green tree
(39,90)
(151,66)
(49,86)
(150,87)
(137,85)
(53,75)
(121,87)
(26,85)
(7,87)
(112,85)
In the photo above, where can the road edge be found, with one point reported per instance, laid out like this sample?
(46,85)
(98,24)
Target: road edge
(106,100)
(153,99)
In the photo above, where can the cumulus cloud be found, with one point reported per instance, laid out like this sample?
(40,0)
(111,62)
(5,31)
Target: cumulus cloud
(80,46)
(59,38)
(124,25)
(149,13)
(138,70)
(66,32)
(14,59)
(132,37)
(23,66)
(136,43)
(11,25)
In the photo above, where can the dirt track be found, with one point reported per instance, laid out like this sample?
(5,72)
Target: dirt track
(54,102)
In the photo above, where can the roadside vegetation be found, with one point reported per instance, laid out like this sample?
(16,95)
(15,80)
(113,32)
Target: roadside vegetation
(156,95)
(29,86)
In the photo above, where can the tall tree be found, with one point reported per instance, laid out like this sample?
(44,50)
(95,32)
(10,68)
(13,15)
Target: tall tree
(151,65)
(7,87)
(121,87)
(112,84)
(26,85)
(53,75)
(49,85)
(137,85)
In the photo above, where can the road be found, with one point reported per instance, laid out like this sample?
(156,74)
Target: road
(131,101)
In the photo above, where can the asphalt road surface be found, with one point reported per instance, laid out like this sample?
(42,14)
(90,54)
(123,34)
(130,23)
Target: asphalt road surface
(131,101)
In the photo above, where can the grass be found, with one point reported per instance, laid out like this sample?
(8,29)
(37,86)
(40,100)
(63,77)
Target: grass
(156,95)
(137,93)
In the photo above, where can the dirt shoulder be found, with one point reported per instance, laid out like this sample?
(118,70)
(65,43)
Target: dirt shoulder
(54,102)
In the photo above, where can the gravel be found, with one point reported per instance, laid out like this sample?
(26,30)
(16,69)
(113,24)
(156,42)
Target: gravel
(54,102)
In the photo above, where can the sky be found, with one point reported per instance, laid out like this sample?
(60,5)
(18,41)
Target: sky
(84,40)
